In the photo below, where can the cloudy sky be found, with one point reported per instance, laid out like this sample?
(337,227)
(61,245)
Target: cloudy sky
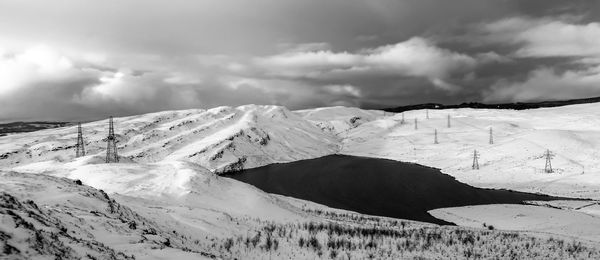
(84,60)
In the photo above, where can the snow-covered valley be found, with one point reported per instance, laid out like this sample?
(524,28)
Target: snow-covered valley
(168,182)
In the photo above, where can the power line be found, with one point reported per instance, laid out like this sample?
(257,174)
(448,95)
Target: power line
(475,160)
(549,155)
(80,149)
(111,143)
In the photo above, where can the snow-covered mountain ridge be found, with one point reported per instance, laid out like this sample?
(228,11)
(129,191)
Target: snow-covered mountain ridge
(219,139)
(225,139)
(166,178)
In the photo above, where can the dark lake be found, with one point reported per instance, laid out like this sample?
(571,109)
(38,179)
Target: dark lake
(375,186)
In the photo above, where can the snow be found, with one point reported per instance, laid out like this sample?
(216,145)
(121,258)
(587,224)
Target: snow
(537,219)
(219,139)
(43,216)
(183,183)
(228,138)
(170,161)
(515,159)
(337,120)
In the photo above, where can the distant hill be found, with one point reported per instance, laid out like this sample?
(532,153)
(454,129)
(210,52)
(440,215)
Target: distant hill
(514,106)
(22,127)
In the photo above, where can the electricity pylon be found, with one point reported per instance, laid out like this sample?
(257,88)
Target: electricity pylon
(435,138)
(548,155)
(416,126)
(448,121)
(111,144)
(475,160)
(80,149)
(491,136)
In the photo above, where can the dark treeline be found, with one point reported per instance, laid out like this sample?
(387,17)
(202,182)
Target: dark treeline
(514,106)
(23,127)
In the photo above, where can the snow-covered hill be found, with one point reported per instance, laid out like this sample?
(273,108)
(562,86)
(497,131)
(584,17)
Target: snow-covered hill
(515,160)
(166,181)
(43,216)
(219,139)
(166,174)
(339,120)
(46,217)
(226,138)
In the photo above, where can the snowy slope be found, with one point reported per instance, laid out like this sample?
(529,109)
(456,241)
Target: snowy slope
(220,139)
(171,182)
(515,159)
(166,176)
(338,120)
(538,219)
(225,138)
(155,211)
(49,217)
(42,215)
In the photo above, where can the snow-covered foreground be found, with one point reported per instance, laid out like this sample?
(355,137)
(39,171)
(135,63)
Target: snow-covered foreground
(45,217)
(539,220)
(166,182)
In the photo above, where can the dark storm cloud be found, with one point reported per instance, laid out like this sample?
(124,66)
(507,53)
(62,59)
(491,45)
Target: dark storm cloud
(73,59)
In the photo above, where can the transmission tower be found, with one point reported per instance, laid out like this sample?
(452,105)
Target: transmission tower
(416,126)
(475,160)
(435,138)
(549,156)
(80,149)
(111,144)
(491,136)
(448,121)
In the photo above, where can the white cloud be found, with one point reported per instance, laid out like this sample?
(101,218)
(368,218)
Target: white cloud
(304,47)
(306,64)
(416,57)
(347,90)
(36,64)
(43,83)
(546,37)
(179,78)
(490,57)
(120,87)
(546,83)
